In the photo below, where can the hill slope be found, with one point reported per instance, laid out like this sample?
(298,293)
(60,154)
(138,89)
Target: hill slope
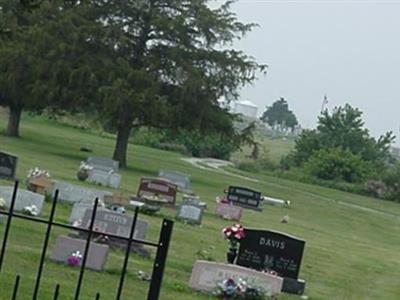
(352,242)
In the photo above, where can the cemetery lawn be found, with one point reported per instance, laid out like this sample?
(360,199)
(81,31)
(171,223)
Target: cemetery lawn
(352,242)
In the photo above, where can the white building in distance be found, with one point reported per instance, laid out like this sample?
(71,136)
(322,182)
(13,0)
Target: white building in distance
(246,108)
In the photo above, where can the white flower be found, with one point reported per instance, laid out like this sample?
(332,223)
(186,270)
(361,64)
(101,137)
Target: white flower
(2,203)
(31,210)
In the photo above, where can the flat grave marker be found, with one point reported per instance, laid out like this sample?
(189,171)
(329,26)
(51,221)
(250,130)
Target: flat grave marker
(8,165)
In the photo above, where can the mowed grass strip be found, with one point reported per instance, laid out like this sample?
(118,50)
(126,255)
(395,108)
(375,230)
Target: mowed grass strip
(352,242)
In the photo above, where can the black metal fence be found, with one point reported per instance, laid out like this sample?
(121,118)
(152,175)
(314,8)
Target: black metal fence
(159,262)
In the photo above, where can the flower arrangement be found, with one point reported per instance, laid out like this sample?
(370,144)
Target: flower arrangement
(99,235)
(30,210)
(74,259)
(36,172)
(83,172)
(2,204)
(239,289)
(234,234)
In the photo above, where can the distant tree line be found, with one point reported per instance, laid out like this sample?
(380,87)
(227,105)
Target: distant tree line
(154,63)
(341,149)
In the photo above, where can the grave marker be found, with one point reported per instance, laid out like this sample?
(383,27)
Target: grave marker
(228,211)
(74,193)
(24,198)
(263,249)
(151,187)
(191,213)
(103,163)
(182,180)
(8,165)
(104,171)
(205,276)
(65,246)
(244,197)
(110,222)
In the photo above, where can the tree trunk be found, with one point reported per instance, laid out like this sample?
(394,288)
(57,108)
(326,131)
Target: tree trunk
(121,146)
(14,118)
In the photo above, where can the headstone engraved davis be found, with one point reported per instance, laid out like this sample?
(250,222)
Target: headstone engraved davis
(190,213)
(182,180)
(244,197)
(263,249)
(110,222)
(8,165)
(24,198)
(151,187)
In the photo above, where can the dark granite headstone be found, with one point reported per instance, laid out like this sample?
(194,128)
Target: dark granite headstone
(8,165)
(262,249)
(244,197)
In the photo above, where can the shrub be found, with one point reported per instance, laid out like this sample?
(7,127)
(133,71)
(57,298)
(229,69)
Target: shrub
(392,181)
(337,164)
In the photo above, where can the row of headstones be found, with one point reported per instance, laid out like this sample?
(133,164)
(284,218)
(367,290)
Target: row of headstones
(104,171)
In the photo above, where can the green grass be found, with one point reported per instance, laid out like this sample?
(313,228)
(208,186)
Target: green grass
(352,242)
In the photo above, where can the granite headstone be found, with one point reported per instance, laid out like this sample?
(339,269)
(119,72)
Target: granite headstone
(182,180)
(206,275)
(228,211)
(8,165)
(264,249)
(24,198)
(190,213)
(244,197)
(65,246)
(74,193)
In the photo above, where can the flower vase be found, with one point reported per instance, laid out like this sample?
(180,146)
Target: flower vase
(231,255)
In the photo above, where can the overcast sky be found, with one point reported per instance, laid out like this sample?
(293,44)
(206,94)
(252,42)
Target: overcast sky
(349,50)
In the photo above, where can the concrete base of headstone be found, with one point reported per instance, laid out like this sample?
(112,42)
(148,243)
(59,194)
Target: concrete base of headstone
(293,286)
(206,275)
(65,246)
(24,198)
